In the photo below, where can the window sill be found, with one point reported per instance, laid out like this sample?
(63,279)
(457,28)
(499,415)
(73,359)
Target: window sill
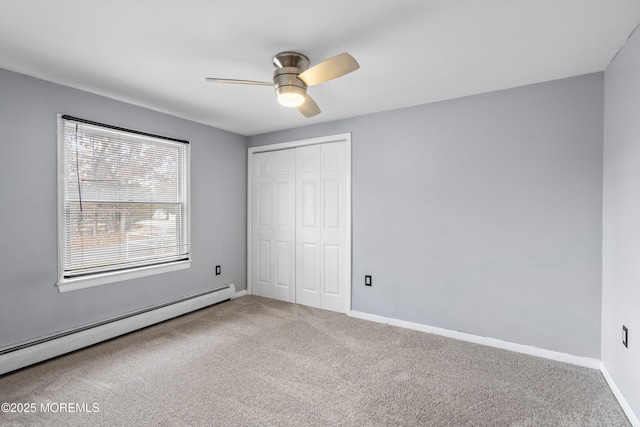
(119,276)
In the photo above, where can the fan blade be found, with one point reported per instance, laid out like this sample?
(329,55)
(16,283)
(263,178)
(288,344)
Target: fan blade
(236,81)
(309,107)
(330,69)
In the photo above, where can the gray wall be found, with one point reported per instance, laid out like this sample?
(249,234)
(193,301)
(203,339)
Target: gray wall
(482,214)
(621,220)
(30,304)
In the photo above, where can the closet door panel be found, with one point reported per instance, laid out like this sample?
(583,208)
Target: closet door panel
(334,232)
(273,225)
(308,226)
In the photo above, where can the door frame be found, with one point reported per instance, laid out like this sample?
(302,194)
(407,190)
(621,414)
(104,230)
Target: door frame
(342,137)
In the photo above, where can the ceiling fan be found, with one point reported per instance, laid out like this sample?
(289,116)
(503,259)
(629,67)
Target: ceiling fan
(293,75)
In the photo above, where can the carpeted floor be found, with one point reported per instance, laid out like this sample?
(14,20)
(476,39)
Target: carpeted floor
(255,361)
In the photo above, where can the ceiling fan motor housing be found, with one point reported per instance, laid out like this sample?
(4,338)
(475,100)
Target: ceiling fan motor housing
(290,89)
(288,84)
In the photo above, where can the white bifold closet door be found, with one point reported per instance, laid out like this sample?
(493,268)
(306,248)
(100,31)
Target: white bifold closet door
(273,225)
(314,270)
(321,232)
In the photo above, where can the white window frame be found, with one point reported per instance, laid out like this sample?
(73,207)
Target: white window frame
(66,284)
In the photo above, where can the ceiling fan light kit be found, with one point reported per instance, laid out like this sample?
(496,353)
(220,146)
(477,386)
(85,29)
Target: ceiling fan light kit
(291,96)
(293,75)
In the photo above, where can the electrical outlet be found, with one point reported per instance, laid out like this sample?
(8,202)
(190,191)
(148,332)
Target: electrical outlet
(625,336)
(367,280)
(218,270)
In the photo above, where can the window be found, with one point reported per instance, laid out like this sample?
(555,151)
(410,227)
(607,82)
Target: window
(123,204)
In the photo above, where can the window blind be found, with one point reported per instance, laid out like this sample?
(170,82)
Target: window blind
(123,198)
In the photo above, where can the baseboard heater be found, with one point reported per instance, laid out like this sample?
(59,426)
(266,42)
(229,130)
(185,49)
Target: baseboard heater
(39,350)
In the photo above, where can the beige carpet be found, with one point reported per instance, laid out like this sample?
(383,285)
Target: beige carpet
(255,361)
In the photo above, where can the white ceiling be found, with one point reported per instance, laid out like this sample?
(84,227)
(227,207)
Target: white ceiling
(157,53)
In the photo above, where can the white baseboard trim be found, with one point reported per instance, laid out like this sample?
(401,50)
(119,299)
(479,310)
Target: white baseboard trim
(46,348)
(633,418)
(586,362)
(240,294)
